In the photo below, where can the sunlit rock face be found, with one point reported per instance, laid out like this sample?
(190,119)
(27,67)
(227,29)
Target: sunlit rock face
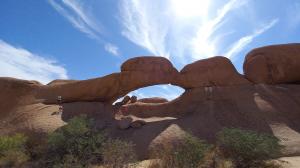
(215,71)
(265,99)
(145,71)
(273,64)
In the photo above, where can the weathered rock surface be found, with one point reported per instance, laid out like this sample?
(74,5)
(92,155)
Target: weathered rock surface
(205,111)
(102,89)
(20,111)
(60,81)
(90,109)
(153,100)
(215,71)
(146,71)
(124,122)
(273,64)
(15,92)
(137,123)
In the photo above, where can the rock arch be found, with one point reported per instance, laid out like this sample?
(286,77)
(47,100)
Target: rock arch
(141,72)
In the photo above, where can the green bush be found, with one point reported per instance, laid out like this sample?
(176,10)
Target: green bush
(118,154)
(15,142)
(189,153)
(76,143)
(248,148)
(13,150)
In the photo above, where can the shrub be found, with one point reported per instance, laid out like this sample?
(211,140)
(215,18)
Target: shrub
(76,143)
(15,142)
(118,154)
(12,150)
(247,148)
(188,153)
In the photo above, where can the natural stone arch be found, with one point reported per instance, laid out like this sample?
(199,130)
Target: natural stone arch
(141,72)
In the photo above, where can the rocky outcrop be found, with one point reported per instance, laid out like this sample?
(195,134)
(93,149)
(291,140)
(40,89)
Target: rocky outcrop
(15,92)
(153,100)
(20,111)
(215,71)
(273,64)
(216,96)
(205,111)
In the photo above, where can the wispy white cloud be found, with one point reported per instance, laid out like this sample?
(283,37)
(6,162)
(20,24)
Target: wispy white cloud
(21,63)
(111,48)
(204,45)
(143,26)
(244,41)
(82,19)
(165,28)
(74,12)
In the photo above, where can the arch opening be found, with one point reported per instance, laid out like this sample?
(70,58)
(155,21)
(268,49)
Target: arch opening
(160,92)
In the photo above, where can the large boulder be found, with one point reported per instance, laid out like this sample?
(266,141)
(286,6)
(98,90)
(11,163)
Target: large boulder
(147,64)
(153,100)
(273,64)
(215,71)
(145,71)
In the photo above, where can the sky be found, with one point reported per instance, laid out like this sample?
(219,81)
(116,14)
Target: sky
(45,40)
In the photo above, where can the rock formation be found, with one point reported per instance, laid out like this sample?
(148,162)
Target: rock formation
(273,64)
(215,71)
(153,100)
(265,99)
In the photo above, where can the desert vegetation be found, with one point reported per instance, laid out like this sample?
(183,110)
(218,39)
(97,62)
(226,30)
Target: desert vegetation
(13,150)
(235,148)
(187,153)
(76,145)
(248,148)
(79,144)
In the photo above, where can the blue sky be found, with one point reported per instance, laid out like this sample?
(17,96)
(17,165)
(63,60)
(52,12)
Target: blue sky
(79,39)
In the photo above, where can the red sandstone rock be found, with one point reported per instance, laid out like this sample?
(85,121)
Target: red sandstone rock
(20,111)
(124,122)
(148,64)
(153,100)
(273,64)
(146,71)
(137,123)
(126,100)
(103,89)
(215,71)
(133,99)
(136,73)
(60,81)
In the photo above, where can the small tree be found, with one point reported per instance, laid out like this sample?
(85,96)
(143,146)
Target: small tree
(247,148)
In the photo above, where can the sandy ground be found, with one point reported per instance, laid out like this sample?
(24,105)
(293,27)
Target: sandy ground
(290,162)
